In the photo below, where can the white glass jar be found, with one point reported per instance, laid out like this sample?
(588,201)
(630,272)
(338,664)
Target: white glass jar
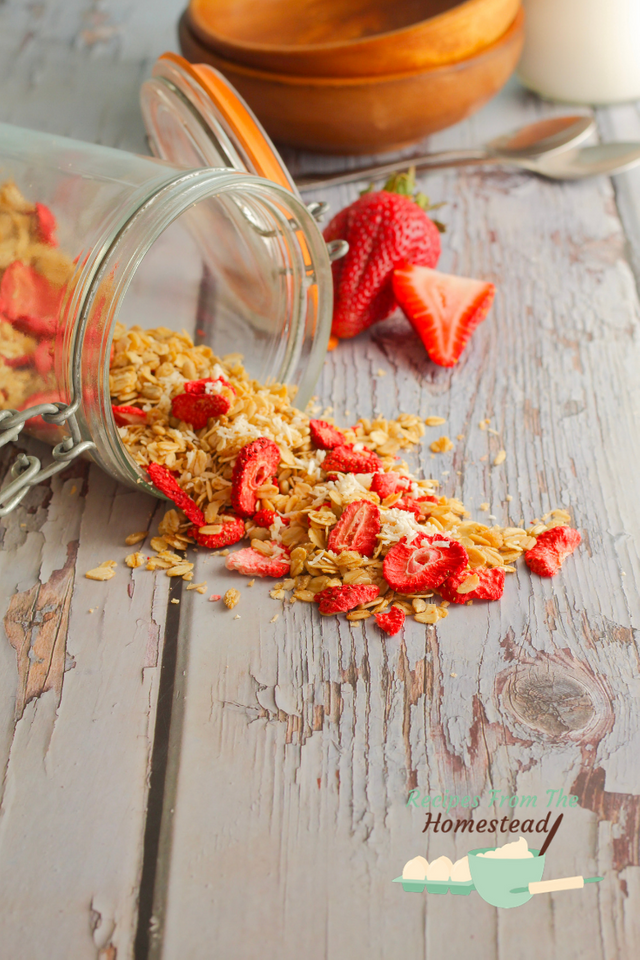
(90,236)
(582,51)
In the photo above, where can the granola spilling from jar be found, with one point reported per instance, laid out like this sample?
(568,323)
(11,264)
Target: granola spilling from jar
(33,274)
(334,514)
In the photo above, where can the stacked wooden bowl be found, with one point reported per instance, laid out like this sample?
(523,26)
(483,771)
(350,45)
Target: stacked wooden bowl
(357,76)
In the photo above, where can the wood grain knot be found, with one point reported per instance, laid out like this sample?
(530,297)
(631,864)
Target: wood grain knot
(558,699)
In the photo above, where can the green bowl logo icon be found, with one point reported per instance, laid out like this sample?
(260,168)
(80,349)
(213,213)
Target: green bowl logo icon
(495,878)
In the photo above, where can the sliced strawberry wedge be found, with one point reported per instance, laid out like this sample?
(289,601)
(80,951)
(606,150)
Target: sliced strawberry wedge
(357,529)
(424,563)
(444,310)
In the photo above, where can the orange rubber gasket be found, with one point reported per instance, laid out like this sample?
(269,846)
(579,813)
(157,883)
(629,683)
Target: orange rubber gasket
(248,133)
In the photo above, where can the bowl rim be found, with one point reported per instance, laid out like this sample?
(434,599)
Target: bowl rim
(332,45)
(514,29)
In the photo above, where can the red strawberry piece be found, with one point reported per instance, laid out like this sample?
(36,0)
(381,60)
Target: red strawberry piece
(324,436)
(24,360)
(357,529)
(383,230)
(254,564)
(491,586)
(392,621)
(341,599)
(551,550)
(255,465)
(410,506)
(43,357)
(232,531)
(166,483)
(424,563)
(384,484)
(28,300)
(264,518)
(344,459)
(443,310)
(46,225)
(128,416)
(200,401)
(199,387)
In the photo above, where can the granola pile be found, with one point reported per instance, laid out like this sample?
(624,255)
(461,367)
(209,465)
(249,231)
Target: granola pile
(333,513)
(33,273)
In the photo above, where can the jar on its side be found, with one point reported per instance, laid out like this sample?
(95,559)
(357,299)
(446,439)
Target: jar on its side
(91,236)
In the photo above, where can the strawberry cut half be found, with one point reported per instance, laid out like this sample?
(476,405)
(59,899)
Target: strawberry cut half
(424,563)
(444,310)
(357,529)
(489,587)
(255,465)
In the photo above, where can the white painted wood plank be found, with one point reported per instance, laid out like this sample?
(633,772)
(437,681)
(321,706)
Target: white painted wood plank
(286,835)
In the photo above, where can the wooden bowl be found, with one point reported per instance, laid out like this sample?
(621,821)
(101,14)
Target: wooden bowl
(367,114)
(348,38)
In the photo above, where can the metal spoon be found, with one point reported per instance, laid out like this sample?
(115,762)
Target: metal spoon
(528,147)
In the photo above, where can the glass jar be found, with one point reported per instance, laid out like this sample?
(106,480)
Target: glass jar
(210,236)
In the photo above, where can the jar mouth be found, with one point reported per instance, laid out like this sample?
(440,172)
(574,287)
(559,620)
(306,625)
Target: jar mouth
(235,260)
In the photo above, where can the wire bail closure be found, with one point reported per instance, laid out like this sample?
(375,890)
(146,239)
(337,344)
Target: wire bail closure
(28,471)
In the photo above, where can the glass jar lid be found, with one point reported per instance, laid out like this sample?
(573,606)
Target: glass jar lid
(195,118)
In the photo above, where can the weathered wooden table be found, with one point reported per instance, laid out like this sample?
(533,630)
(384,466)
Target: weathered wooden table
(181,784)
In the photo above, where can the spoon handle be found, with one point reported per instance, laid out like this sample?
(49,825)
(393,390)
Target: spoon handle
(551,835)
(427,161)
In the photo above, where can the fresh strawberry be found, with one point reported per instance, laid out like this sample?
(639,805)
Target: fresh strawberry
(324,436)
(28,300)
(128,416)
(201,401)
(254,564)
(491,586)
(384,484)
(392,621)
(551,550)
(231,532)
(340,599)
(424,563)
(384,229)
(344,459)
(166,483)
(256,464)
(46,225)
(357,529)
(444,310)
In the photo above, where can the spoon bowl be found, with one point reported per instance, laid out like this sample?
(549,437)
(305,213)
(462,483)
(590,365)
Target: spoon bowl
(604,159)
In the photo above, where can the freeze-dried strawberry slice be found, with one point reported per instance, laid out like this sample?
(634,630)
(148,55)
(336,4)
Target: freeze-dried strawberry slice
(424,563)
(255,465)
(357,529)
(344,459)
(392,621)
(231,532)
(128,416)
(551,550)
(200,387)
(24,360)
(28,300)
(196,410)
(384,484)
(324,436)
(43,357)
(341,599)
(264,518)
(410,506)
(254,564)
(166,483)
(46,225)
(491,586)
